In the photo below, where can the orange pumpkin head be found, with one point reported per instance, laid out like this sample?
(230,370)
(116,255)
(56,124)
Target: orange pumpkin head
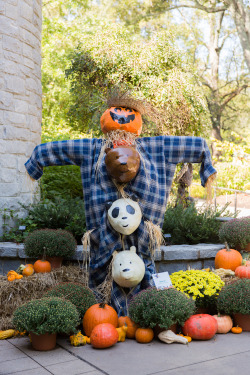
(120,118)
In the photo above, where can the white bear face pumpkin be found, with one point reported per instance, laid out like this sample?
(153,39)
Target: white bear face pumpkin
(128,268)
(125,215)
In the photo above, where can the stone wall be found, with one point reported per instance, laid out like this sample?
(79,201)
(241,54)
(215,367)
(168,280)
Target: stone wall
(168,258)
(20,98)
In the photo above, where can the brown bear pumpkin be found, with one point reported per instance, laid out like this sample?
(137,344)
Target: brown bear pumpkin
(121,118)
(122,163)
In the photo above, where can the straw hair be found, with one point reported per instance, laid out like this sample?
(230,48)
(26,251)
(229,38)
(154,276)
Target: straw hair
(209,187)
(155,236)
(104,290)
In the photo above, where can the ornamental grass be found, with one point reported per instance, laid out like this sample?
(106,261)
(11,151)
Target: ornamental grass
(14,294)
(47,315)
(202,286)
(163,308)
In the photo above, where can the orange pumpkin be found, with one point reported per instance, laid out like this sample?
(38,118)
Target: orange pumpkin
(243,272)
(42,266)
(28,270)
(132,326)
(144,335)
(236,329)
(103,336)
(97,314)
(120,118)
(224,322)
(228,259)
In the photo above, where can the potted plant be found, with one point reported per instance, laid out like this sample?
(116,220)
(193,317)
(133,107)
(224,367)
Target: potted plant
(152,308)
(50,243)
(234,299)
(236,233)
(203,287)
(44,318)
(81,296)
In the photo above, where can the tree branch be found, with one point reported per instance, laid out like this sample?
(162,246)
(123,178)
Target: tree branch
(197,5)
(232,95)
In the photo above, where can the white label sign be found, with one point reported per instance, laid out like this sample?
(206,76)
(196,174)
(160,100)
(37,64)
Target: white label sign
(162,280)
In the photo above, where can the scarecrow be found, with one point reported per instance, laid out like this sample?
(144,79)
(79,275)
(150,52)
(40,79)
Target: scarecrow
(126,183)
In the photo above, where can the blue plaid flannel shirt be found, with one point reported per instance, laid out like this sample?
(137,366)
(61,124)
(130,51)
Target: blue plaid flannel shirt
(159,157)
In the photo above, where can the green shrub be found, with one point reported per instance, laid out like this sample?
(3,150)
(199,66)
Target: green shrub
(61,181)
(192,225)
(152,307)
(81,296)
(68,214)
(235,298)
(50,242)
(236,232)
(46,315)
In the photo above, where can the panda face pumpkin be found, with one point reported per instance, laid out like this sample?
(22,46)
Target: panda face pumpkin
(121,118)
(124,215)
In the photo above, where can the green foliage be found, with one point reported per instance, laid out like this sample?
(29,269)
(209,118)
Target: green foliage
(236,232)
(10,226)
(50,242)
(152,307)
(46,315)
(235,298)
(81,296)
(62,182)
(192,225)
(68,214)
(153,70)
(202,286)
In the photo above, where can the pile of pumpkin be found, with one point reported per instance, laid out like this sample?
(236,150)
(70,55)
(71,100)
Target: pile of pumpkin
(40,266)
(103,328)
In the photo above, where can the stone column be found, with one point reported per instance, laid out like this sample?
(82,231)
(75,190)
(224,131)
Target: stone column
(20,98)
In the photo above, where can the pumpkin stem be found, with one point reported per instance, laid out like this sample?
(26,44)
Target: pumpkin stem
(102,305)
(227,247)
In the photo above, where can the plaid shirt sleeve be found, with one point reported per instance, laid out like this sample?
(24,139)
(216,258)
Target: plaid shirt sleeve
(190,150)
(57,153)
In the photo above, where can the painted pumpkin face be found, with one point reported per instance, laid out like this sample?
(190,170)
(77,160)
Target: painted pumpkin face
(122,163)
(124,215)
(120,118)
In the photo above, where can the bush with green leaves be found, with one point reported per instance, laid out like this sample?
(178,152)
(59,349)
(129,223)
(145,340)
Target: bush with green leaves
(50,242)
(236,232)
(234,298)
(81,296)
(152,307)
(46,315)
(68,214)
(192,225)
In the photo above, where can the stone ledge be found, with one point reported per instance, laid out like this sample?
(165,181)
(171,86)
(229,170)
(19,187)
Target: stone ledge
(165,253)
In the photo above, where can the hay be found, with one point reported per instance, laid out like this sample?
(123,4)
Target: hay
(104,290)
(155,236)
(209,187)
(16,293)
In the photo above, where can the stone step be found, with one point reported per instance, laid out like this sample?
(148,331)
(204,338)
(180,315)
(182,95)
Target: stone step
(168,258)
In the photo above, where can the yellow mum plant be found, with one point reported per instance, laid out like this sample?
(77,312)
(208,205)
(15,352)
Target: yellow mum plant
(199,285)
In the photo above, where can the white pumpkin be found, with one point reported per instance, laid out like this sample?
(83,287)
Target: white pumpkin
(128,268)
(125,215)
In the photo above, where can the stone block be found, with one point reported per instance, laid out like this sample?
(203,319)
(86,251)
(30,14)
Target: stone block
(8,161)
(79,254)
(9,189)
(15,84)
(27,12)
(7,27)
(21,106)
(209,250)
(32,84)
(2,7)
(28,62)
(176,252)
(208,263)
(11,44)
(8,250)
(7,175)
(28,50)
(158,255)
(6,100)
(171,267)
(10,67)
(11,56)
(11,11)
